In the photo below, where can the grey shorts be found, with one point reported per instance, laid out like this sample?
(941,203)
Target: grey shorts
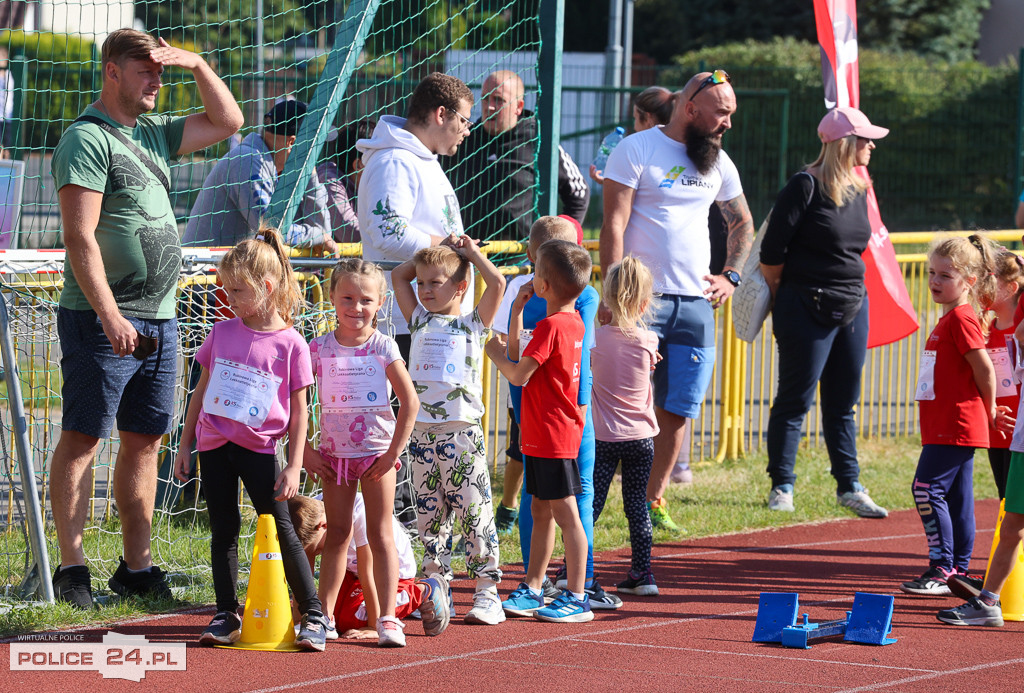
(685,326)
(101,387)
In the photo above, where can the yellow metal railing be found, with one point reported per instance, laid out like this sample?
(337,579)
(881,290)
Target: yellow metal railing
(733,419)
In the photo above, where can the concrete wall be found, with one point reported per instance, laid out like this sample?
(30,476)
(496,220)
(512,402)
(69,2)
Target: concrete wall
(1002,31)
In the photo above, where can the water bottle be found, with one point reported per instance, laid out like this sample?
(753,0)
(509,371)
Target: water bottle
(609,143)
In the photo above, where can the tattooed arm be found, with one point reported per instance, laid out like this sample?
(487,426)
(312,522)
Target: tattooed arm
(740,229)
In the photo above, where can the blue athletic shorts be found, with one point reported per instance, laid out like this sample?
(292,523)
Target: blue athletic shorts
(101,387)
(685,326)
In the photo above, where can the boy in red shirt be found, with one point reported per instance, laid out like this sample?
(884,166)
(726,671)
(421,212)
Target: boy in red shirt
(552,426)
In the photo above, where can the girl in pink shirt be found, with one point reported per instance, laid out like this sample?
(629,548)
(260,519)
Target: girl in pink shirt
(251,393)
(622,358)
(361,439)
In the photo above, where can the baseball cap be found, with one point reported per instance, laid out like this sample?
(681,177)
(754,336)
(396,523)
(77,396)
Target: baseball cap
(847,120)
(284,118)
(576,225)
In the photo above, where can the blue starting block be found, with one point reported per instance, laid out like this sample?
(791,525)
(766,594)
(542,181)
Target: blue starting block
(869,622)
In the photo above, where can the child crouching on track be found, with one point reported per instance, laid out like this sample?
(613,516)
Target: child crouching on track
(549,372)
(357,604)
(622,359)
(449,463)
(956,392)
(252,392)
(356,368)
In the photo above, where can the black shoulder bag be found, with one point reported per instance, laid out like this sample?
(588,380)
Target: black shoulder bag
(142,156)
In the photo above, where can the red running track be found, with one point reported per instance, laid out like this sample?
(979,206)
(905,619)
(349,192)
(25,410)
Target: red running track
(694,637)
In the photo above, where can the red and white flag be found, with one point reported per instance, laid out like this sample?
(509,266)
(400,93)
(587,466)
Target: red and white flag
(891,312)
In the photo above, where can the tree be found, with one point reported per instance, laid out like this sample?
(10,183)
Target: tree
(947,29)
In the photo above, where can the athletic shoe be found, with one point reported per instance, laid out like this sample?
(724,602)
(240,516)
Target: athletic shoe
(860,502)
(74,586)
(150,583)
(505,518)
(660,519)
(781,498)
(435,609)
(965,587)
(312,631)
(681,474)
(566,609)
(599,599)
(332,630)
(561,581)
(224,629)
(642,584)
(390,632)
(974,613)
(931,584)
(549,591)
(486,609)
(523,602)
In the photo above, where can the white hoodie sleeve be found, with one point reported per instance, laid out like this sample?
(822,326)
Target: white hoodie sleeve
(387,203)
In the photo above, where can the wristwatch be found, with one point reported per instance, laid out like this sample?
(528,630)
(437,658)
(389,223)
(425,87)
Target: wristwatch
(733,276)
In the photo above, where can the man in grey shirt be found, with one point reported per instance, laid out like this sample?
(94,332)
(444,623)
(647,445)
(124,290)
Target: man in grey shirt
(237,192)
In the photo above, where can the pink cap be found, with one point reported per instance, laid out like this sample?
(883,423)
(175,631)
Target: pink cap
(847,120)
(576,224)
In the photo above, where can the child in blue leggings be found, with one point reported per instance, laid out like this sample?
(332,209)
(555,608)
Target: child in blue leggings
(545,229)
(956,392)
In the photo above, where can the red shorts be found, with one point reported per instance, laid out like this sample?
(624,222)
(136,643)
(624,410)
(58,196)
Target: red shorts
(349,612)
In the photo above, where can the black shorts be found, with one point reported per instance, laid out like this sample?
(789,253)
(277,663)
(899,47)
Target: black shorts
(551,478)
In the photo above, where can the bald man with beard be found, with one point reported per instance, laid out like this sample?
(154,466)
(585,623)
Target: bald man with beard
(495,170)
(658,187)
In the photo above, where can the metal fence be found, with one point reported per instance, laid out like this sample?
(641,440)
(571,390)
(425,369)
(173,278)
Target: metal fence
(952,159)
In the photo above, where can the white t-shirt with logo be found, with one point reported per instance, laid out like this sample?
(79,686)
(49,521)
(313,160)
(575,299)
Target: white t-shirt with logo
(668,225)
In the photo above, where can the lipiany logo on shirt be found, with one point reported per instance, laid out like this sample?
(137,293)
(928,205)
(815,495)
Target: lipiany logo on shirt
(676,173)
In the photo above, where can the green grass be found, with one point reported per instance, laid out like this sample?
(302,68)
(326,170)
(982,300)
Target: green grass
(725,498)
(732,496)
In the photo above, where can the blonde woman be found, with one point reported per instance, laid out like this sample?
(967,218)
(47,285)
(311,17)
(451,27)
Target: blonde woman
(811,258)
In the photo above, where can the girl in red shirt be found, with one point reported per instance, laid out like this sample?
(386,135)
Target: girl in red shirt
(956,391)
(1000,319)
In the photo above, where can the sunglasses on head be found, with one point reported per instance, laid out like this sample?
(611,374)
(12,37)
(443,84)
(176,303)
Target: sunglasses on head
(716,77)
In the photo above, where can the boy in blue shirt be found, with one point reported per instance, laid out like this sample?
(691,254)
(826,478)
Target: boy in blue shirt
(545,229)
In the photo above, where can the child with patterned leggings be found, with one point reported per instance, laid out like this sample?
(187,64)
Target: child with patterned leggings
(621,360)
(448,460)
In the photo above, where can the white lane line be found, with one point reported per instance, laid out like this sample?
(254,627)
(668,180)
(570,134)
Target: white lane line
(788,658)
(937,674)
(578,637)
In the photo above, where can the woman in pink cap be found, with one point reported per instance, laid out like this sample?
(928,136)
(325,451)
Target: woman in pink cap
(811,259)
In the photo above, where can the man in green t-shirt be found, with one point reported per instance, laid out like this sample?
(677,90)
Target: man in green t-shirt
(116,324)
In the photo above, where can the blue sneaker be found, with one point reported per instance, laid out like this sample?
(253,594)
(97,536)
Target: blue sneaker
(522,602)
(566,609)
(434,609)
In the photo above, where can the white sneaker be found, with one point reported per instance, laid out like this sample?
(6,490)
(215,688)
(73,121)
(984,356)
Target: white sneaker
(860,502)
(681,474)
(390,632)
(780,499)
(486,609)
(332,630)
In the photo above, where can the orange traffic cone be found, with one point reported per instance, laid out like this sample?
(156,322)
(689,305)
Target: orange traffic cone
(267,622)
(1012,594)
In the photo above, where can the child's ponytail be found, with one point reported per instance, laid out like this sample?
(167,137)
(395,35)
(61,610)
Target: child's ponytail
(265,256)
(984,290)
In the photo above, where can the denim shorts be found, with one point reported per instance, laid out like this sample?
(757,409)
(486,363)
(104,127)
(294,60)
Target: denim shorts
(685,326)
(101,387)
